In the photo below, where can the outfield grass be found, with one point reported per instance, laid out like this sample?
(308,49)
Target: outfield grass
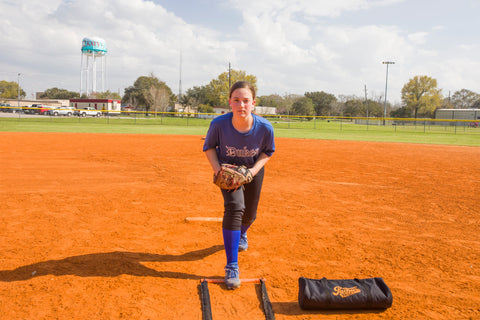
(329,130)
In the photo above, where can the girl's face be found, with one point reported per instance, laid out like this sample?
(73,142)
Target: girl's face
(242,102)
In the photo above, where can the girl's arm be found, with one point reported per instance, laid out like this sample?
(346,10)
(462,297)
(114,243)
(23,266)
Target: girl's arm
(261,161)
(213,159)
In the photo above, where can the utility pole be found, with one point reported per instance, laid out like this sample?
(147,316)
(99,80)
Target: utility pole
(18,93)
(180,81)
(229,76)
(386,83)
(366,101)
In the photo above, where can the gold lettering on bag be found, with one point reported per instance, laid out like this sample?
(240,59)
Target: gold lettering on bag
(345,292)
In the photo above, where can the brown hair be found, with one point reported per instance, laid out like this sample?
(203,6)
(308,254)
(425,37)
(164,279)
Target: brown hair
(242,84)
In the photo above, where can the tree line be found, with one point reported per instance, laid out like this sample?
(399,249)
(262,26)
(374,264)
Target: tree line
(420,98)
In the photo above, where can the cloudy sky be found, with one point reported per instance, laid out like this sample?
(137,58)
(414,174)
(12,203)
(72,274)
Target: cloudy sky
(291,46)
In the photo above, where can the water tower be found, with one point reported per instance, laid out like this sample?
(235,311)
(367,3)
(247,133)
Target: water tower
(93,65)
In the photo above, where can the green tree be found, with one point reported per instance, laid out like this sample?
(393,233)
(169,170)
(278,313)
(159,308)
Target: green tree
(402,112)
(322,102)
(421,96)
(354,108)
(9,90)
(196,96)
(288,101)
(203,108)
(273,101)
(219,88)
(476,104)
(282,104)
(56,93)
(446,103)
(303,107)
(186,100)
(108,95)
(464,99)
(375,108)
(149,93)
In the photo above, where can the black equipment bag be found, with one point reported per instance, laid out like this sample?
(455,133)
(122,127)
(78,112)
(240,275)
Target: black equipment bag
(323,294)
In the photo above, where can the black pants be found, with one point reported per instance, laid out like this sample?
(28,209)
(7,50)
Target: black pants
(241,205)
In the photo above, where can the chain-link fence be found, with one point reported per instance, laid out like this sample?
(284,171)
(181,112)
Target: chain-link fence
(278,121)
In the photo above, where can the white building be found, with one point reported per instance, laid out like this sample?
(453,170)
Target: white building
(112,106)
(457,114)
(265,110)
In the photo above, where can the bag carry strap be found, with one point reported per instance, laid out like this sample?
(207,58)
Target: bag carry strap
(324,283)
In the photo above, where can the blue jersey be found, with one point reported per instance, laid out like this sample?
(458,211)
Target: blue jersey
(240,148)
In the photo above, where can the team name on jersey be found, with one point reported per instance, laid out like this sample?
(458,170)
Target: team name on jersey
(242,153)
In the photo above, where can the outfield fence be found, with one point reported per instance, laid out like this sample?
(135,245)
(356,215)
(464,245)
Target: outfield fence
(325,123)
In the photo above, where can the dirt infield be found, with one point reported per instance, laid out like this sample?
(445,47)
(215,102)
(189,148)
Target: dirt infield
(93,227)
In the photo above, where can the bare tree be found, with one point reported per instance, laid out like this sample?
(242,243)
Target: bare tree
(158,98)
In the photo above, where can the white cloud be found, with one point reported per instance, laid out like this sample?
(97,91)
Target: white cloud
(307,8)
(292,46)
(141,37)
(418,37)
(318,56)
(438,28)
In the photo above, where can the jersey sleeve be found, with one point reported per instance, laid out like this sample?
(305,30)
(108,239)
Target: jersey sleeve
(212,138)
(269,141)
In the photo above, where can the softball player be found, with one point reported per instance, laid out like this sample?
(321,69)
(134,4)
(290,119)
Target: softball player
(240,138)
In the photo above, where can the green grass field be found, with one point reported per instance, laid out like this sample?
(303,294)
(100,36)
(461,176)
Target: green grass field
(413,132)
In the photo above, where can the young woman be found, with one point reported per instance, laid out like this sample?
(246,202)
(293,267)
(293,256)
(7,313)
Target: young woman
(240,138)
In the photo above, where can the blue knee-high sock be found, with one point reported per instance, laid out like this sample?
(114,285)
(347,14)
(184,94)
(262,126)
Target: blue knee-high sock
(231,238)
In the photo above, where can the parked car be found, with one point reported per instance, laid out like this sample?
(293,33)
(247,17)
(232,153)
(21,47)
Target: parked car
(88,111)
(33,109)
(62,111)
(16,110)
(45,110)
(6,107)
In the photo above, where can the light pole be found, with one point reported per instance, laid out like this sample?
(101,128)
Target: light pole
(386,84)
(229,76)
(18,93)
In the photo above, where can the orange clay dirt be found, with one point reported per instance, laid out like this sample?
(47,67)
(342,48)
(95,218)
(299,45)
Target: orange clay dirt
(93,227)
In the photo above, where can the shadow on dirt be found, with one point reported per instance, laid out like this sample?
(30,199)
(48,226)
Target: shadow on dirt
(293,309)
(108,264)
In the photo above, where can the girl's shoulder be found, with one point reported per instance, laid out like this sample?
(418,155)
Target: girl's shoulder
(223,118)
(262,121)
